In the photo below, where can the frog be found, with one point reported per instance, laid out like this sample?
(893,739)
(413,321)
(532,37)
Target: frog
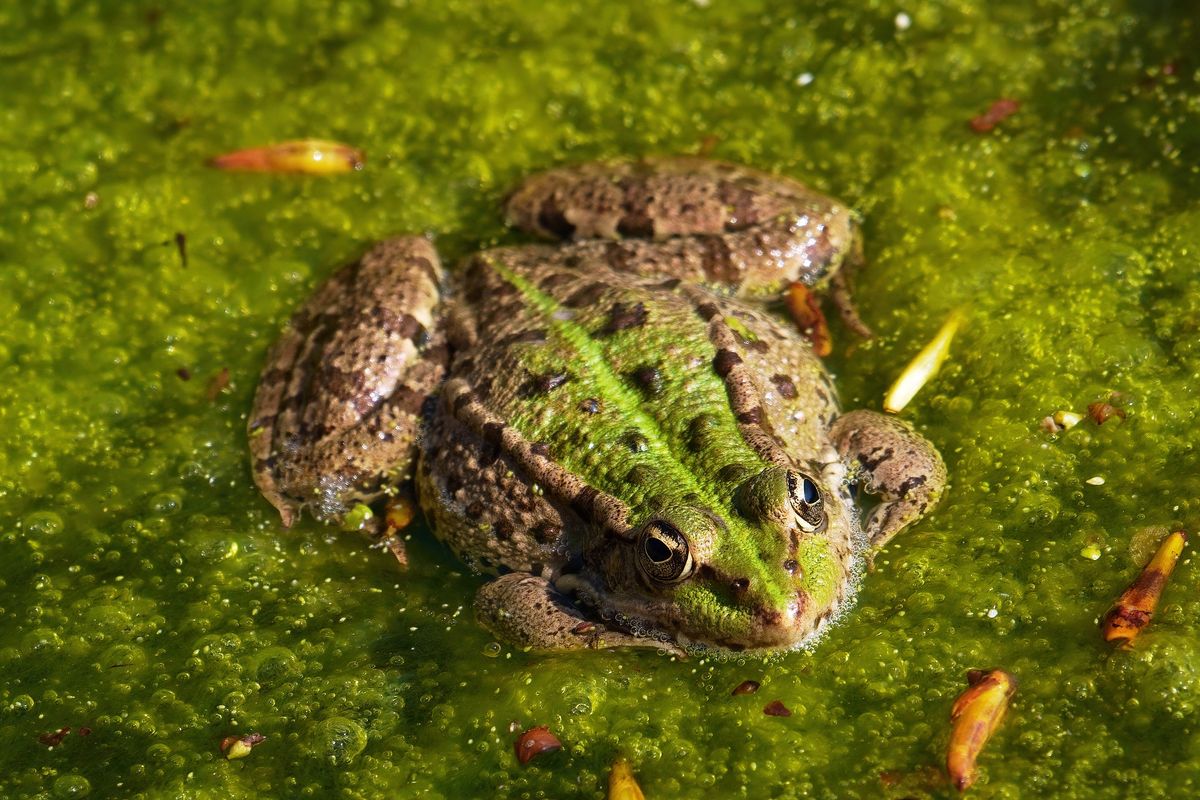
(614,425)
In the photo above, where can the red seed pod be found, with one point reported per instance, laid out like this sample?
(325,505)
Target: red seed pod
(534,742)
(776,708)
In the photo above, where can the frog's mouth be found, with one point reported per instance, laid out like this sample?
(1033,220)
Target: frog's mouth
(796,626)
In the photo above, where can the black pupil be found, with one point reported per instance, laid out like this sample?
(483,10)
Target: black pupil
(657,551)
(810,492)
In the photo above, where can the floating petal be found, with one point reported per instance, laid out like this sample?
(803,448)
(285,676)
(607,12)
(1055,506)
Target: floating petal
(621,783)
(1133,609)
(307,156)
(923,367)
(976,714)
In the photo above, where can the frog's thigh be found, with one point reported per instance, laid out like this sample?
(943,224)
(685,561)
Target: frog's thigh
(896,463)
(714,223)
(528,612)
(338,403)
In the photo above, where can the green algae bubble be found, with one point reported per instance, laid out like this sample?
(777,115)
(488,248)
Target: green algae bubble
(21,704)
(42,523)
(67,786)
(276,665)
(339,740)
(166,502)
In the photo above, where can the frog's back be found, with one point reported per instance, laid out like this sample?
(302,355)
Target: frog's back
(645,391)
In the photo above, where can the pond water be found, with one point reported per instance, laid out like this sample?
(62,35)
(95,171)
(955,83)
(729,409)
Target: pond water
(149,597)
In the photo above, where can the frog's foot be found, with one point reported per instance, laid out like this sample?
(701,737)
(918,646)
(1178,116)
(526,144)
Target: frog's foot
(895,462)
(337,411)
(713,223)
(529,612)
(840,294)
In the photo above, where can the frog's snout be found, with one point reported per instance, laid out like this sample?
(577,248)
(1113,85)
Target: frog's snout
(783,625)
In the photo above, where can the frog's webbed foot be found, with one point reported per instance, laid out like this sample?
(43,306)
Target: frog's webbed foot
(337,410)
(895,462)
(527,611)
(713,223)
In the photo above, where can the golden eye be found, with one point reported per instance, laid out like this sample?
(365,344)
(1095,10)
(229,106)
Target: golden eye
(663,553)
(805,497)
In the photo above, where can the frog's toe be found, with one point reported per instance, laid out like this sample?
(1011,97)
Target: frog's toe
(527,611)
(840,296)
(894,462)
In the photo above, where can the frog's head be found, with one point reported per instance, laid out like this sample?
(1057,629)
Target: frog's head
(767,572)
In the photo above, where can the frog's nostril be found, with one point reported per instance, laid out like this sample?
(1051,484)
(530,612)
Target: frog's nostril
(791,565)
(740,586)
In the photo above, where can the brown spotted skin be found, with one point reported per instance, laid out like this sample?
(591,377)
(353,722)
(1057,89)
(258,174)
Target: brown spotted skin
(720,224)
(338,406)
(613,426)
(894,462)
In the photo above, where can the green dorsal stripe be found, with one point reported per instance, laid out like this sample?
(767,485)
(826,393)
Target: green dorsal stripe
(740,544)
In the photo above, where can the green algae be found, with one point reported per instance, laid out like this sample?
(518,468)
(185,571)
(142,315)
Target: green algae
(148,595)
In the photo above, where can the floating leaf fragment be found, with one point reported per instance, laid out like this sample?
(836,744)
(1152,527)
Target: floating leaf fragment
(745,687)
(218,384)
(776,708)
(924,366)
(534,742)
(357,518)
(54,738)
(802,304)
(1102,412)
(180,240)
(401,511)
(1049,425)
(621,783)
(1134,608)
(235,747)
(1067,419)
(997,112)
(307,156)
(976,714)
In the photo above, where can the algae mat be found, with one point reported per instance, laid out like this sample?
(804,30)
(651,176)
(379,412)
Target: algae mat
(150,602)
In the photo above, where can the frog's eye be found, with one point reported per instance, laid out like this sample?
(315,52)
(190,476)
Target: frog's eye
(663,553)
(806,501)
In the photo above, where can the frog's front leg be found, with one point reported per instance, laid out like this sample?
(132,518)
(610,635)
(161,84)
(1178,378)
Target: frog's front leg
(337,410)
(895,462)
(710,222)
(529,612)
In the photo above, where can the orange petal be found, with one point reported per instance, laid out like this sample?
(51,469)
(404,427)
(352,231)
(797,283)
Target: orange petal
(976,714)
(1133,609)
(802,304)
(307,156)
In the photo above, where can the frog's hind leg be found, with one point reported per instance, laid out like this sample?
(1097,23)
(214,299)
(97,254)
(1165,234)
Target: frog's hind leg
(529,612)
(720,224)
(894,461)
(337,410)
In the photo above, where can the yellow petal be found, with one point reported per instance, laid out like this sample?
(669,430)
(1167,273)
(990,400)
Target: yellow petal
(621,783)
(924,366)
